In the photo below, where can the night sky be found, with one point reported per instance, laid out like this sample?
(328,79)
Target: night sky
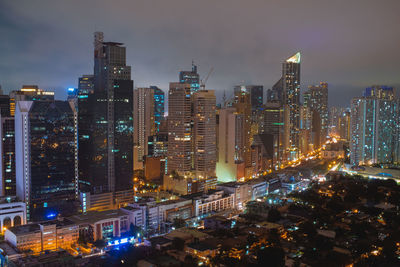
(349,44)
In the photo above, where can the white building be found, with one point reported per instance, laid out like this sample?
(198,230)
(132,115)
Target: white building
(12,214)
(211,202)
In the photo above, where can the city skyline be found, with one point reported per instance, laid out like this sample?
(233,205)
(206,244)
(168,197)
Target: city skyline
(161,46)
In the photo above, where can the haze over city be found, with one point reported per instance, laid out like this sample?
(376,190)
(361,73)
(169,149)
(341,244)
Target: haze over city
(349,44)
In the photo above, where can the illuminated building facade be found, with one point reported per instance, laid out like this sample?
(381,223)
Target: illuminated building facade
(256,95)
(275,94)
(204,133)
(190,77)
(316,99)
(291,102)
(242,104)
(273,124)
(148,109)
(107,157)
(46,157)
(374,134)
(28,93)
(180,138)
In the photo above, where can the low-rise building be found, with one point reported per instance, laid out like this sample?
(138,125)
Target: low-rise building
(211,202)
(38,237)
(153,215)
(245,191)
(12,213)
(95,225)
(105,201)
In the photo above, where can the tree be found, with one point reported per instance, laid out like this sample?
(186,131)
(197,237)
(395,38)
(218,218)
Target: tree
(178,243)
(271,256)
(179,223)
(273,215)
(190,261)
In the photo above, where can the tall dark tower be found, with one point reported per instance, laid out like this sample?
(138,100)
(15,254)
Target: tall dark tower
(291,102)
(110,152)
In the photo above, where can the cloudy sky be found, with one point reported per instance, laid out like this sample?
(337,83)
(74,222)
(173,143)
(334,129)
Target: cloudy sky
(349,44)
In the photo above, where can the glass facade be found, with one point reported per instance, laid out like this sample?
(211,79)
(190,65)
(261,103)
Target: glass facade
(52,156)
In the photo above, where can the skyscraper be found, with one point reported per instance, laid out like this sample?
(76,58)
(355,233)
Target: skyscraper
(273,124)
(204,133)
(316,98)
(256,94)
(7,148)
(46,158)
(148,109)
(242,104)
(191,77)
(291,102)
(180,155)
(374,122)
(275,94)
(28,93)
(106,162)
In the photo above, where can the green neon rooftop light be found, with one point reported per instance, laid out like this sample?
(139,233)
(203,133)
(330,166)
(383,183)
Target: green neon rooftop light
(294,59)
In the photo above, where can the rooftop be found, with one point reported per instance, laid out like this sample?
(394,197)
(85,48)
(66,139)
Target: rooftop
(92,217)
(24,229)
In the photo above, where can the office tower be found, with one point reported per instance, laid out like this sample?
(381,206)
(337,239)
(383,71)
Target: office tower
(46,157)
(380,91)
(316,98)
(107,160)
(256,94)
(275,94)
(204,133)
(242,104)
(273,124)
(334,115)
(374,136)
(28,93)
(191,77)
(7,162)
(306,130)
(180,156)
(148,109)
(7,148)
(230,166)
(291,102)
(344,125)
(159,106)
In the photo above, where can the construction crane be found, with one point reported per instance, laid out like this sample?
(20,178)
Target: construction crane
(203,81)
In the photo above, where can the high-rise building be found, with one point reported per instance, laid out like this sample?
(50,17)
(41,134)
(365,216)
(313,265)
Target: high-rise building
(204,133)
(273,124)
(291,102)
(148,108)
(7,161)
(46,157)
(256,94)
(106,162)
(28,93)
(374,122)
(316,98)
(191,77)
(344,125)
(242,104)
(275,94)
(180,139)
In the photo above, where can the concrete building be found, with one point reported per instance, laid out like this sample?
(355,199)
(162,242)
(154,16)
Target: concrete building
(105,201)
(204,133)
(291,102)
(148,106)
(316,99)
(374,133)
(95,225)
(244,192)
(12,213)
(50,235)
(211,202)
